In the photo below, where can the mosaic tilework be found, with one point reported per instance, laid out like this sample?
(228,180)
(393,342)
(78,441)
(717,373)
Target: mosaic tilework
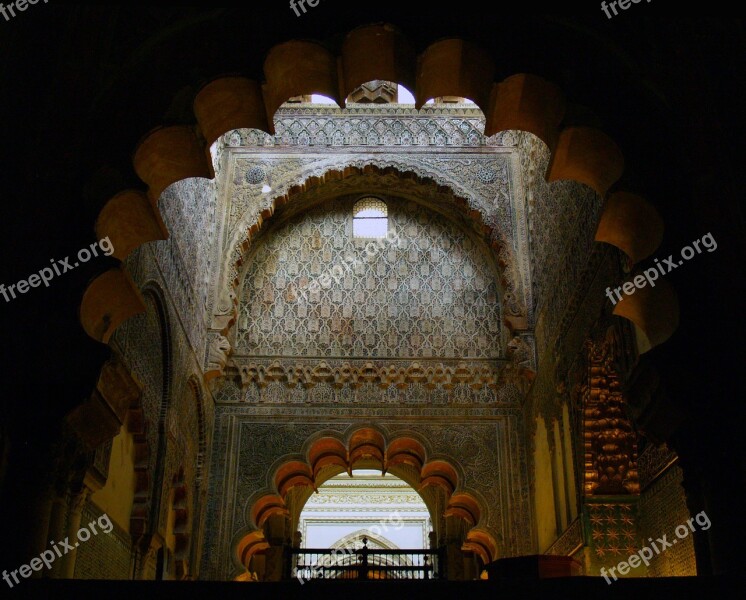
(483,176)
(142,340)
(425,293)
(189,212)
(613,530)
(562,218)
(663,508)
(489,196)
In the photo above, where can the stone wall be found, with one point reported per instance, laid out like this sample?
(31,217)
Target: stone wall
(157,348)
(485,447)
(104,555)
(426,291)
(662,509)
(189,210)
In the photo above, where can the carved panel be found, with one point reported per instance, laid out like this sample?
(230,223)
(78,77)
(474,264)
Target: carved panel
(653,461)
(313,290)
(489,454)
(614,531)
(189,210)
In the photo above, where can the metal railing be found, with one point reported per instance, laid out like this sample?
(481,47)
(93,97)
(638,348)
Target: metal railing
(305,564)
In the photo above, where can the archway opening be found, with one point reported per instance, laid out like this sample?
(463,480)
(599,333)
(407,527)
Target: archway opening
(383,508)
(366,524)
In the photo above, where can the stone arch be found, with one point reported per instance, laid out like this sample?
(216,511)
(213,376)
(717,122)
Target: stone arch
(379,176)
(170,154)
(151,503)
(144,508)
(326,454)
(450,67)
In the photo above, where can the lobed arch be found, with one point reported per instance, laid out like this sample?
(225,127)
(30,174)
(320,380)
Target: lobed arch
(448,67)
(438,479)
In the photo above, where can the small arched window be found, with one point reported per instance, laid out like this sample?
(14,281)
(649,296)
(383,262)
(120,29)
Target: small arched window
(370,218)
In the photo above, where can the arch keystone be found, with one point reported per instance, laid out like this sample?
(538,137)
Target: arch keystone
(366,445)
(376,52)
